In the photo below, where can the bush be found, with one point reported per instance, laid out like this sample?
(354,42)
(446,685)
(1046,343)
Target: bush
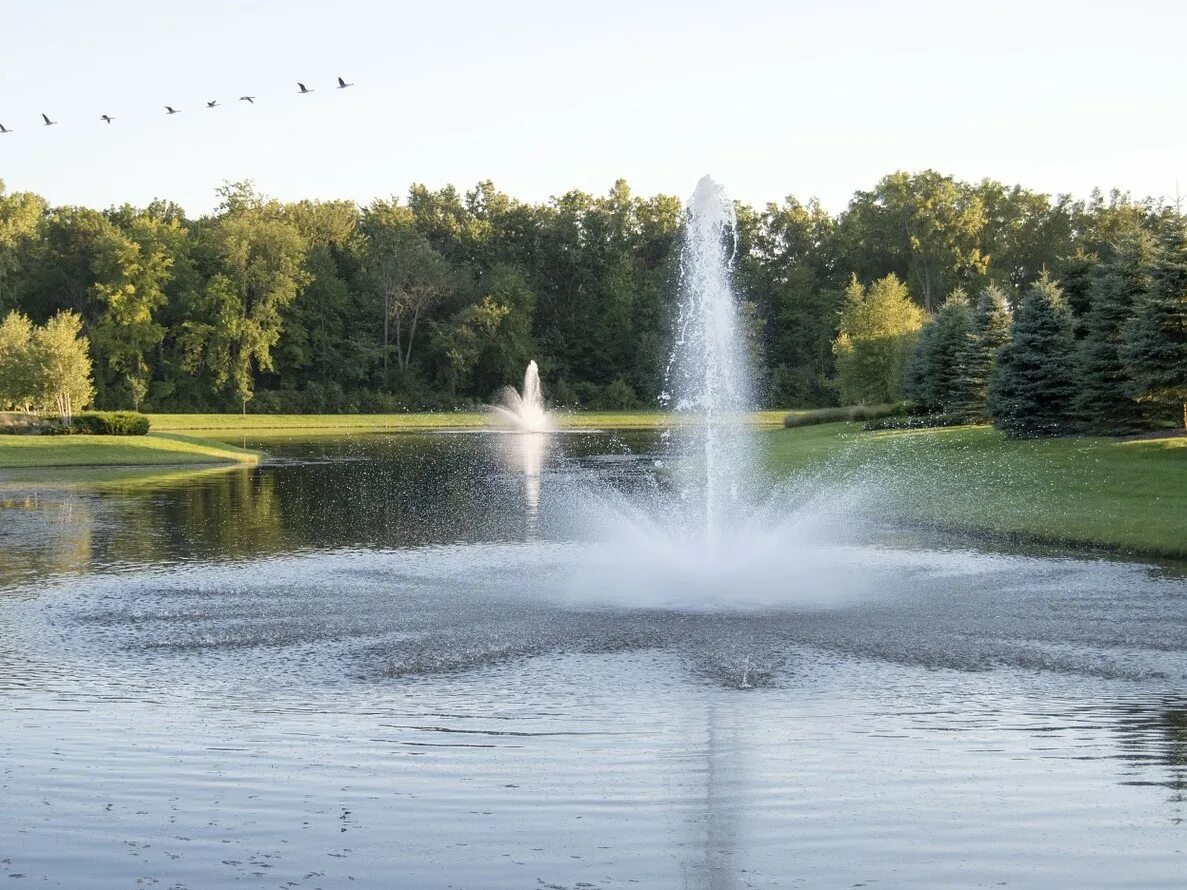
(617,396)
(110,423)
(847,413)
(916,422)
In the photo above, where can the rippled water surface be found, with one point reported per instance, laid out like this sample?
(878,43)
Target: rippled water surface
(402,661)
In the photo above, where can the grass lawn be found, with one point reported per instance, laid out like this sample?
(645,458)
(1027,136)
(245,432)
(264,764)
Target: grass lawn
(110,451)
(1129,496)
(332,424)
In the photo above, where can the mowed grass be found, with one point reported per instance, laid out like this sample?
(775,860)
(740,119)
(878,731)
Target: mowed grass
(1122,495)
(338,424)
(154,449)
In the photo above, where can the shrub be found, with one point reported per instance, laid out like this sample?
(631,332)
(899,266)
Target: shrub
(110,423)
(618,396)
(847,413)
(916,422)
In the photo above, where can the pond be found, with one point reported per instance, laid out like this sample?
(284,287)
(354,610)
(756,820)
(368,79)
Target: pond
(408,660)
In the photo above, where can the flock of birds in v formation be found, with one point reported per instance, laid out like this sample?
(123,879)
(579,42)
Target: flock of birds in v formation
(169,109)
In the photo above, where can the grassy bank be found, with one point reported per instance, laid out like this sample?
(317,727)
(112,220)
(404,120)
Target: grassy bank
(116,451)
(1109,493)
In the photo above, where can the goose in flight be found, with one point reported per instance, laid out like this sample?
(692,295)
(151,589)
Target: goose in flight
(342,84)
(106,118)
(48,122)
(213,103)
(4,129)
(251,99)
(304,89)
(169,109)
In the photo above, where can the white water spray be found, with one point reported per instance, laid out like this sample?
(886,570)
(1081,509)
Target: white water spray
(707,374)
(525,410)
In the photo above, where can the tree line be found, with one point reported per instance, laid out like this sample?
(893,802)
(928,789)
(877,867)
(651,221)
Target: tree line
(1119,366)
(438,298)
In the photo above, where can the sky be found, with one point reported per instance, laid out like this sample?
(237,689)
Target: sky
(812,99)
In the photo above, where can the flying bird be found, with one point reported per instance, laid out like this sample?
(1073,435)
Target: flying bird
(106,118)
(48,122)
(251,99)
(4,129)
(169,109)
(213,103)
(342,84)
(304,89)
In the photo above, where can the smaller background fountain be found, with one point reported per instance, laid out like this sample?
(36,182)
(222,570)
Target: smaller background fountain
(524,411)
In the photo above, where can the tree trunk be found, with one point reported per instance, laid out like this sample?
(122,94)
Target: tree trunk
(411,334)
(1185,415)
(387,314)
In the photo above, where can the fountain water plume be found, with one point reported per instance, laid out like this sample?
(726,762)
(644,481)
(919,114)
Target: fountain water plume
(525,410)
(707,375)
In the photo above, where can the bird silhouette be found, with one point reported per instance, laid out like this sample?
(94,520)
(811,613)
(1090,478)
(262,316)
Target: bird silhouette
(169,109)
(4,129)
(251,99)
(106,118)
(48,122)
(342,84)
(304,89)
(213,103)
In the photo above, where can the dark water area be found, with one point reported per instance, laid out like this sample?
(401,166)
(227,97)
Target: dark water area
(422,661)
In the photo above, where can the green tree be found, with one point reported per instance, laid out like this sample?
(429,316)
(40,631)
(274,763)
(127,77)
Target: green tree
(932,370)
(20,219)
(411,280)
(1104,400)
(1156,338)
(989,331)
(62,364)
(489,342)
(878,328)
(257,257)
(18,378)
(925,227)
(1032,387)
(129,286)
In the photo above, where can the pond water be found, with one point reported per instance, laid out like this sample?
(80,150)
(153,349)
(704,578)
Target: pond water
(398,661)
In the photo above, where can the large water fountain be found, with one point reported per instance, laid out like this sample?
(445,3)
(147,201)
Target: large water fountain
(706,380)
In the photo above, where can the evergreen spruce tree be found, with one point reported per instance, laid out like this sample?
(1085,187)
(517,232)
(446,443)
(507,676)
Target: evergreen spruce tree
(989,331)
(1031,391)
(1155,350)
(919,365)
(932,369)
(1104,401)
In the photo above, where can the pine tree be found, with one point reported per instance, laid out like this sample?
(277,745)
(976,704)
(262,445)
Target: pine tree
(1155,349)
(915,387)
(932,370)
(1031,391)
(1104,401)
(989,331)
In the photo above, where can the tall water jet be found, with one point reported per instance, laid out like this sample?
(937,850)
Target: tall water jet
(707,376)
(525,410)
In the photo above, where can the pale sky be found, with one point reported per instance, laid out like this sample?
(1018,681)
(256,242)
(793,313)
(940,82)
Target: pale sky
(771,98)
